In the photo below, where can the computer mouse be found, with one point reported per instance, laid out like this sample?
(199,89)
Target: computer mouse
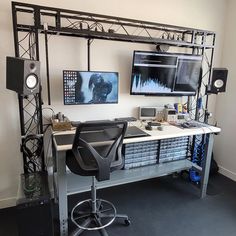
(148,127)
(184,125)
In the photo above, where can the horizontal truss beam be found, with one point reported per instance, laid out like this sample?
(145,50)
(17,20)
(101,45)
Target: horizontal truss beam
(95,26)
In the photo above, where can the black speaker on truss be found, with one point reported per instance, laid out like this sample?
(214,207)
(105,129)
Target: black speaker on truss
(218,81)
(23,75)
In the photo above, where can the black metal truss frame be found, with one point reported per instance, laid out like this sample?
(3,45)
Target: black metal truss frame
(50,21)
(96,26)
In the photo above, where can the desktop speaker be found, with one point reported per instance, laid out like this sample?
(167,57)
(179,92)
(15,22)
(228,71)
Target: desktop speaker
(23,75)
(218,82)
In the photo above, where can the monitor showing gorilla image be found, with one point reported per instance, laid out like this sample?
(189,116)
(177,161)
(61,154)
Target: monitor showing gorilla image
(90,87)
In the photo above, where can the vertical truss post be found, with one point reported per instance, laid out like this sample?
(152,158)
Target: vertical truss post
(17,54)
(27,125)
(209,80)
(47,63)
(15,33)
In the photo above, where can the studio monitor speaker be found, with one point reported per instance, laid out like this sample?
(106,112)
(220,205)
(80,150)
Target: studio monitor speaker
(218,81)
(23,75)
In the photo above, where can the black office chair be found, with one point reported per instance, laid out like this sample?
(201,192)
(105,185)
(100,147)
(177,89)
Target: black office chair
(96,152)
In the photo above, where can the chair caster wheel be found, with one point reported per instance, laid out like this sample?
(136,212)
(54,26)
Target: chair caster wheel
(127,222)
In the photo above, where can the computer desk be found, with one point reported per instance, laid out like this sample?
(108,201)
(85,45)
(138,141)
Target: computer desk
(66,183)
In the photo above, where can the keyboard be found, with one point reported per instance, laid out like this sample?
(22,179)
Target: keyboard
(154,123)
(128,119)
(76,123)
(96,128)
(193,124)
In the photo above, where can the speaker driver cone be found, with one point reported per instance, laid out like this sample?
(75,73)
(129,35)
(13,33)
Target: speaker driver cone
(31,81)
(218,83)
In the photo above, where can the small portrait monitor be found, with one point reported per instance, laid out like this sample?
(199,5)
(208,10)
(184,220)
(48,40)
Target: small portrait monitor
(147,113)
(90,87)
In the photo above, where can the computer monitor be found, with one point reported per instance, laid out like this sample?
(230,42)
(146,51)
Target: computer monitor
(90,87)
(147,113)
(155,73)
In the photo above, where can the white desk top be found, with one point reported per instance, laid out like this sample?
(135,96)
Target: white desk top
(169,131)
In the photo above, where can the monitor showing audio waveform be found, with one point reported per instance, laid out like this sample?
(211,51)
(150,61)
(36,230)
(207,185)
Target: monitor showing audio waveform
(157,74)
(90,87)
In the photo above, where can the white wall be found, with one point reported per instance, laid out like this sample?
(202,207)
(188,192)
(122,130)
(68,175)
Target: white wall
(68,53)
(225,109)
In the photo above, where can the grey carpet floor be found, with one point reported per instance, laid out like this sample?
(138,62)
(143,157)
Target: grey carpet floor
(167,206)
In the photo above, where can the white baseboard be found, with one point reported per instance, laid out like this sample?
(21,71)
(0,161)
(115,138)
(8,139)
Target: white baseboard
(8,202)
(227,173)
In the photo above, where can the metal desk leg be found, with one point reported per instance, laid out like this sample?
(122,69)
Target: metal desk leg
(206,166)
(62,193)
(54,159)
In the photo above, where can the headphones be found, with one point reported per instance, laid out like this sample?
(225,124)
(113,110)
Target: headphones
(32,146)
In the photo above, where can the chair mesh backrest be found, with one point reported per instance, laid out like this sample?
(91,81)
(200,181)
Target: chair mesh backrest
(97,148)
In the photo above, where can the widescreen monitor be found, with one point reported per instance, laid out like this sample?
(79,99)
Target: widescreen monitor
(155,73)
(90,87)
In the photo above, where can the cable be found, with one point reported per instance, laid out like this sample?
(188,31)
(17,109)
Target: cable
(52,115)
(47,159)
(31,46)
(24,37)
(193,175)
(32,118)
(32,147)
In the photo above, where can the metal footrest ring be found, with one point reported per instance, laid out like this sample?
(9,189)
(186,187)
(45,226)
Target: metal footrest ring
(104,215)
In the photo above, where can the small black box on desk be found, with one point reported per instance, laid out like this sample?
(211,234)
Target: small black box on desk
(34,207)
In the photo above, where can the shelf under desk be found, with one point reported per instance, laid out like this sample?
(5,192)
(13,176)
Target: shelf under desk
(79,184)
